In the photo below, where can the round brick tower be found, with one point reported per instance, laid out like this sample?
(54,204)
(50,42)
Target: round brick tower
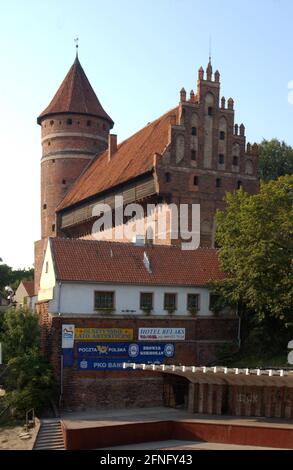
(75,129)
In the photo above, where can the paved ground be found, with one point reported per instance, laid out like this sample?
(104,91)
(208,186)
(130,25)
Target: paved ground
(185,445)
(94,418)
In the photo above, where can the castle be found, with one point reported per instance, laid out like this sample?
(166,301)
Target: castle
(101,303)
(193,154)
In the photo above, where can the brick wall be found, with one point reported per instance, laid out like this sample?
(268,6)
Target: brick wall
(133,388)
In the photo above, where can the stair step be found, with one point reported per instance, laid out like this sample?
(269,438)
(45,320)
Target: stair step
(50,436)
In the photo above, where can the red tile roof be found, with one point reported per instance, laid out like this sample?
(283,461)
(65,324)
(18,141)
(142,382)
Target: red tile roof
(113,262)
(29,287)
(134,157)
(75,95)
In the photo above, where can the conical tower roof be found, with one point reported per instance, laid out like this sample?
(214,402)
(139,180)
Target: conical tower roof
(76,96)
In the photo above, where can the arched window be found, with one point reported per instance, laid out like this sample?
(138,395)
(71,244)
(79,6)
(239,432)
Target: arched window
(193,131)
(193,155)
(195,180)
(218,182)
(239,184)
(235,161)
(221,159)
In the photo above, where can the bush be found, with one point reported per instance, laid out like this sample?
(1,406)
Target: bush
(29,379)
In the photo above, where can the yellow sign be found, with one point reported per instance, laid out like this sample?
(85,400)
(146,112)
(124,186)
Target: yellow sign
(104,334)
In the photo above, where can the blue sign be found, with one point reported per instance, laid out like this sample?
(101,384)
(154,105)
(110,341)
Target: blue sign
(134,352)
(67,357)
(100,364)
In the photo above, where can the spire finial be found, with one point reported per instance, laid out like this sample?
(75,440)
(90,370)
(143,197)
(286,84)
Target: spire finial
(210,49)
(76,46)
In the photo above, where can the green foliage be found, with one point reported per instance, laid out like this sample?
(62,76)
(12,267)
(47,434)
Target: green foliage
(275,159)
(29,380)
(20,333)
(256,250)
(29,383)
(12,278)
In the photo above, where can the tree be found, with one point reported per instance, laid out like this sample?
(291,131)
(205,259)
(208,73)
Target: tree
(29,378)
(20,333)
(254,234)
(13,277)
(275,159)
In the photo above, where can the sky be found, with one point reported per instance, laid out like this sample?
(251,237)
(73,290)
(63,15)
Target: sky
(137,55)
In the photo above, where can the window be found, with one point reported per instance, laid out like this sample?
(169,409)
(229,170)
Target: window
(51,123)
(239,184)
(193,155)
(89,123)
(45,206)
(235,161)
(192,301)
(195,180)
(170,301)
(69,122)
(167,177)
(53,228)
(221,159)
(146,300)
(214,299)
(49,143)
(47,267)
(222,135)
(53,161)
(63,181)
(193,131)
(210,110)
(218,182)
(104,300)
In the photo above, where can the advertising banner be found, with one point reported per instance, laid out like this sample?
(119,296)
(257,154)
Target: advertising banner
(67,336)
(101,364)
(104,334)
(135,352)
(162,334)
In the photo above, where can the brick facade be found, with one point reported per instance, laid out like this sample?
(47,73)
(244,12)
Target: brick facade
(117,389)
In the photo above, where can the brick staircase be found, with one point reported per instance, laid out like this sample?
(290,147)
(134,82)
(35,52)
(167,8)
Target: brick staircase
(50,436)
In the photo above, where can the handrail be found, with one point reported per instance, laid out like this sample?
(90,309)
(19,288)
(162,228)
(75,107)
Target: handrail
(32,410)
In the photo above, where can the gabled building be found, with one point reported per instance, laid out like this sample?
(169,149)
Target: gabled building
(193,154)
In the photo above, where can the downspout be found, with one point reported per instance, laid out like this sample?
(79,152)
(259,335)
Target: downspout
(61,357)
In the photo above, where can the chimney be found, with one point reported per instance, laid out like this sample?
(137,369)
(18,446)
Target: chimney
(112,145)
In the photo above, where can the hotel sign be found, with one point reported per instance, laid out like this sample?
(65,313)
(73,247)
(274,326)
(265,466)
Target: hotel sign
(104,334)
(162,334)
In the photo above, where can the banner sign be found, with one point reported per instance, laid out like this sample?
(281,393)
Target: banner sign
(104,334)
(135,352)
(101,364)
(68,357)
(67,336)
(163,334)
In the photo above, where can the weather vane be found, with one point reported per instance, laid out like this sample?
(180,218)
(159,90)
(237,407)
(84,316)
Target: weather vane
(76,45)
